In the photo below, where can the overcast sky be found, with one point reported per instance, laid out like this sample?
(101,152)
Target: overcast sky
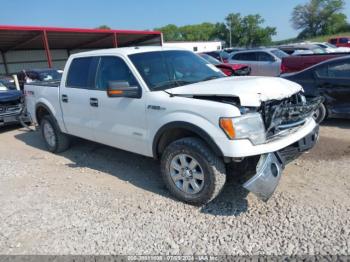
(146,14)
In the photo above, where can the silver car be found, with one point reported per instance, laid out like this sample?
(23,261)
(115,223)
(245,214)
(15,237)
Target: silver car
(263,61)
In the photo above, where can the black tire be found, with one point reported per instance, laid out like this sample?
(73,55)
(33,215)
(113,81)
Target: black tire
(213,167)
(321,114)
(61,140)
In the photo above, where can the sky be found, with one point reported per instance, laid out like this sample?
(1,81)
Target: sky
(146,14)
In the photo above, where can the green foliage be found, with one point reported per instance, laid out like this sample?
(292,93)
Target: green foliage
(319,17)
(245,31)
(106,27)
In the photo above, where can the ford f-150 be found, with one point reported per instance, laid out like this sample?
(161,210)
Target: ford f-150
(172,105)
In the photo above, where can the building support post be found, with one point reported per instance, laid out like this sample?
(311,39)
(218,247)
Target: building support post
(47,49)
(115,41)
(4,62)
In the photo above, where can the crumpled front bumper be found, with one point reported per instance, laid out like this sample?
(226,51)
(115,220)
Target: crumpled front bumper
(270,166)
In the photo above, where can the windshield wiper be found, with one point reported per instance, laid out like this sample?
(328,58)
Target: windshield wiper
(171,84)
(210,78)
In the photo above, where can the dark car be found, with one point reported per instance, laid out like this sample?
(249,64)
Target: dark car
(228,69)
(222,56)
(331,80)
(8,82)
(11,105)
(33,75)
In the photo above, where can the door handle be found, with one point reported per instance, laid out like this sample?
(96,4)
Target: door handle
(94,102)
(64,98)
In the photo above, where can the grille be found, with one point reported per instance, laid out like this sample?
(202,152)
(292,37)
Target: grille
(282,115)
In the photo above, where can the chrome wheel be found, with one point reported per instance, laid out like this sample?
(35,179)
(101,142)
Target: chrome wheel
(187,174)
(49,134)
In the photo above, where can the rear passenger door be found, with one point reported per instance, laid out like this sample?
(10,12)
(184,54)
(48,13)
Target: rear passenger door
(75,94)
(268,64)
(334,84)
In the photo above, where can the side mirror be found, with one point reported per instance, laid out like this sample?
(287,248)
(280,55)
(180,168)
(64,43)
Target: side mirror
(123,89)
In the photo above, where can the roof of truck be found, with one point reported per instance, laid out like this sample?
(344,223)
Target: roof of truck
(128,50)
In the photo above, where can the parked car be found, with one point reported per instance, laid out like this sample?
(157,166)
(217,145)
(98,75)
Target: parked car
(33,75)
(228,69)
(8,81)
(11,105)
(340,41)
(302,49)
(331,80)
(222,56)
(332,48)
(292,64)
(263,62)
(169,104)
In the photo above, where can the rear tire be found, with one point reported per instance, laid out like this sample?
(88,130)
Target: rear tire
(320,114)
(192,172)
(55,140)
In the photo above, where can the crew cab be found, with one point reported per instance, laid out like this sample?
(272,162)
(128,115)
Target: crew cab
(172,105)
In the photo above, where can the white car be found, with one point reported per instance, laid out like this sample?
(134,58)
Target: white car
(172,105)
(332,48)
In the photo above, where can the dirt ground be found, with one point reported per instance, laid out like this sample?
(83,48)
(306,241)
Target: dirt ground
(94,199)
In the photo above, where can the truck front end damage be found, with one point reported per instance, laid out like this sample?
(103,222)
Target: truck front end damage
(11,107)
(281,118)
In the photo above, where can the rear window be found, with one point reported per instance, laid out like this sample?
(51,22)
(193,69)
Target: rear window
(279,53)
(79,72)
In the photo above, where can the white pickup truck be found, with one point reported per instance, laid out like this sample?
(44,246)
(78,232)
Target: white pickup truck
(172,105)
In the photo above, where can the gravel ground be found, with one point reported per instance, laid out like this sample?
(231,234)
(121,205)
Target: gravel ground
(95,199)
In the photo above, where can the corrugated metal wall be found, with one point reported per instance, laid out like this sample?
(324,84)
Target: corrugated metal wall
(19,60)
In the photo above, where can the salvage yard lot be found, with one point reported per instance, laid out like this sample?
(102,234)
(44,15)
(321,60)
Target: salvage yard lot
(94,199)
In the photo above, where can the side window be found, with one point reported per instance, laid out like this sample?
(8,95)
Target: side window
(322,71)
(344,40)
(333,41)
(79,74)
(195,49)
(264,57)
(245,57)
(113,69)
(340,70)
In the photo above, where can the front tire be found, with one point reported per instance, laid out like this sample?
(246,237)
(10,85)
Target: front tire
(320,114)
(192,172)
(55,140)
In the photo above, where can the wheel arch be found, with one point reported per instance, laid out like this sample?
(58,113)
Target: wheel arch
(172,131)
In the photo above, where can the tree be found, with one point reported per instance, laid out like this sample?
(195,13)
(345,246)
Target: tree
(106,27)
(248,31)
(170,32)
(318,17)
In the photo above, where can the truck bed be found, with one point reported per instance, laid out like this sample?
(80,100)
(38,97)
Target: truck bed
(293,64)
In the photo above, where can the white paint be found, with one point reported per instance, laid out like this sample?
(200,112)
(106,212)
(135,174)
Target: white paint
(198,47)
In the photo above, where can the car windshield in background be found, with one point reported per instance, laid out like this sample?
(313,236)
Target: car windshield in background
(211,59)
(168,69)
(3,87)
(50,75)
(279,53)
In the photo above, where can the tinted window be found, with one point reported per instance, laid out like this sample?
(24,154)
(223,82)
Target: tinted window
(113,69)
(344,40)
(79,73)
(333,41)
(245,56)
(168,69)
(338,70)
(264,57)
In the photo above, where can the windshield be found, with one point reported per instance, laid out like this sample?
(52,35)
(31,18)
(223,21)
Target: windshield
(3,87)
(50,75)
(210,59)
(279,53)
(330,45)
(167,69)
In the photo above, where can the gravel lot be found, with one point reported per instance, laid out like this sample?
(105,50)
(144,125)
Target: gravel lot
(95,199)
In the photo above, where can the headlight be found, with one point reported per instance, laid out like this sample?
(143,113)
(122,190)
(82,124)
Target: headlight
(249,126)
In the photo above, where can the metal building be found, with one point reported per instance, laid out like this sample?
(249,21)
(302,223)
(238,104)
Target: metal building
(23,47)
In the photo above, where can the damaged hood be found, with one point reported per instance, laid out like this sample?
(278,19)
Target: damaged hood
(250,90)
(9,95)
